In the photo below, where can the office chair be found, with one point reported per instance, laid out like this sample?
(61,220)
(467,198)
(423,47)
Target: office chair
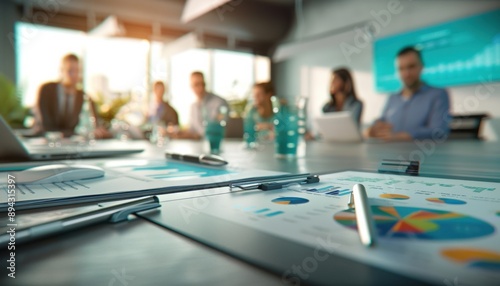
(466,126)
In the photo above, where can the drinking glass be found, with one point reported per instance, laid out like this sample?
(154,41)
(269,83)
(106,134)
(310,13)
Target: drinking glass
(289,125)
(215,129)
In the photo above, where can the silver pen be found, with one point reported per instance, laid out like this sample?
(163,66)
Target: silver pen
(113,214)
(364,217)
(212,160)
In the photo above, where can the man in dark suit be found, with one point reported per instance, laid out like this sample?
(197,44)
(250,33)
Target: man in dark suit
(162,111)
(59,103)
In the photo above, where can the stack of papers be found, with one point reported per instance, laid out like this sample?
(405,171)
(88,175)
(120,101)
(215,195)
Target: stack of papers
(123,179)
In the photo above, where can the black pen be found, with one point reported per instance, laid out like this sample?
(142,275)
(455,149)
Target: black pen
(212,160)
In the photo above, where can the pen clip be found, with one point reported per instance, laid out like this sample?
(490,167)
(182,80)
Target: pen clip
(276,185)
(281,185)
(122,215)
(212,160)
(350,204)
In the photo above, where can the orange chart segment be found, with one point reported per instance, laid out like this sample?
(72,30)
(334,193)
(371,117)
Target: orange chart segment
(391,211)
(403,226)
(472,257)
(394,196)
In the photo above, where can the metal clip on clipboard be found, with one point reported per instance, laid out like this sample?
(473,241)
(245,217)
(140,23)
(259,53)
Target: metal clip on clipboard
(268,186)
(399,167)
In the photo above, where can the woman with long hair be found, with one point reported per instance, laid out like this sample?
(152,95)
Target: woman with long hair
(343,95)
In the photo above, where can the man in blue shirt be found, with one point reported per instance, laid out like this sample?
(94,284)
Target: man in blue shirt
(418,111)
(208,106)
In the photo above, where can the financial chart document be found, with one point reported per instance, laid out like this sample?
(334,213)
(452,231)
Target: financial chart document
(439,230)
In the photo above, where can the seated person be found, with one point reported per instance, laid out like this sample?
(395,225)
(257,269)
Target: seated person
(261,112)
(343,95)
(208,106)
(59,103)
(418,111)
(162,111)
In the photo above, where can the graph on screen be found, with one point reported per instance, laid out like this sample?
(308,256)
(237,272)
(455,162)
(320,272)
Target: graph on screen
(460,52)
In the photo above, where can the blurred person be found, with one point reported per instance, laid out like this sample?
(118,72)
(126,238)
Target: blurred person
(343,95)
(59,104)
(418,111)
(206,107)
(261,112)
(161,111)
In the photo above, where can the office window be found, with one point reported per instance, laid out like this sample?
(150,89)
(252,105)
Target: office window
(159,69)
(262,69)
(233,74)
(230,75)
(114,67)
(118,68)
(122,62)
(39,52)
(181,67)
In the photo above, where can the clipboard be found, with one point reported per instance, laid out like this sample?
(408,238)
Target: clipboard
(231,224)
(127,181)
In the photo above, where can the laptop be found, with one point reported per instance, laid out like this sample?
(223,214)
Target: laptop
(338,127)
(11,148)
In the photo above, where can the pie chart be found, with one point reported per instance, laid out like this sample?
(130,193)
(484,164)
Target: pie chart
(394,196)
(473,257)
(418,223)
(447,201)
(290,201)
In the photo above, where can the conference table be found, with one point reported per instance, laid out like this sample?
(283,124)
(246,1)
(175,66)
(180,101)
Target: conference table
(139,252)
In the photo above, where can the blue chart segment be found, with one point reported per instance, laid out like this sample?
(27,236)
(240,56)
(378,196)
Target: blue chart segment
(174,170)
(267,212)
(274,213)
(341,192)
(417,223)
(330,191)
(290,201)
(326,189)
(447,201)
(261,212)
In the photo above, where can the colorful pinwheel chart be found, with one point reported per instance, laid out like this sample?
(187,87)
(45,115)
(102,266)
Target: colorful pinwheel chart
(418,223)
(290,201)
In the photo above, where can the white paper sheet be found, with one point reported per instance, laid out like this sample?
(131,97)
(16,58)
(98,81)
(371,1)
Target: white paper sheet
(122,178)
(440,230)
